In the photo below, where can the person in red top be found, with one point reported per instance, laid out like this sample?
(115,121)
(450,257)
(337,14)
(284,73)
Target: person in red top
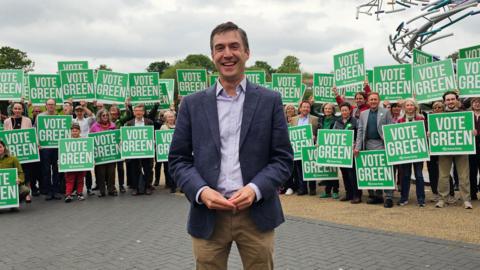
(412,113)
(360,99)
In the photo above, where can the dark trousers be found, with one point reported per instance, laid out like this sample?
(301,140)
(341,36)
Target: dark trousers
(142,167)
(130,163)
(33,176)
(105,174)
(168,178)
(350,182)
(50,177)
(419,181)
(474,161)
(331,185)
(120,173)
(88,180)
(303,186)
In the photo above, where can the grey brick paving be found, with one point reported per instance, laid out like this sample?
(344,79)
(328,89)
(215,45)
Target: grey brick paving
(148,232)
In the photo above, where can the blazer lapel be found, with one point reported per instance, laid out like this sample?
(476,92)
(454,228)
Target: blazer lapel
(210,107)
(249,107)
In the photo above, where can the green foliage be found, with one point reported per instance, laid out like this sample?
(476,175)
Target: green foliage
(263,65)
(201,61)
(158,67)
(103,67)
(11,58)
(290,64)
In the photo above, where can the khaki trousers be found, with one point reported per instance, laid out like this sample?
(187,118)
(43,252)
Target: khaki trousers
(255,247)
(445,165)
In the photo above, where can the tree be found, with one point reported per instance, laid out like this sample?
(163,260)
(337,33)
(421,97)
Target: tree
(454,57)
(263,65)
(290,64)
(11,58)
(158,67)
(103,67)
(201,61)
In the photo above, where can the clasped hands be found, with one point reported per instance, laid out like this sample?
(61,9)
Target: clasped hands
(240,200)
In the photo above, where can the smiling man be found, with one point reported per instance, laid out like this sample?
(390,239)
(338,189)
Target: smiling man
(230,153)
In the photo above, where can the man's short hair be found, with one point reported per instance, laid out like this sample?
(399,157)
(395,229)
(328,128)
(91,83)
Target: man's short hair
(450,93)
(373,93)
(140,106)
(304,101)
(363,94)
(227,27)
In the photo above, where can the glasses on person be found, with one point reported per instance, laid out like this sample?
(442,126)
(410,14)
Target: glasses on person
(104,115)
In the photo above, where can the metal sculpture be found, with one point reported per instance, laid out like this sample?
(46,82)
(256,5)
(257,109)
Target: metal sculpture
(425,28)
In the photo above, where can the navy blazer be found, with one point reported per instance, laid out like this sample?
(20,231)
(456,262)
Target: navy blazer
(265,154)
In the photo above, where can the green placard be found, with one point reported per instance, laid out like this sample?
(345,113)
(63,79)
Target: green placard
(469,52)
(51,128)
(191,80)
(370,77)
(394,82)
(170,84)
(137,142)
(212,79)
(312,170)
(75,155)
(72,65)
(431,80)
(144,87)
(349,68)
(163,139)
(421,58)
(43,87)
(468,72)
(78,84)
(451,133)
(351,90)
(256,76)
(111,87)
(289,86)
(373,172)
(335,148)
(11,84)
(322,88)
(9,197)
(22,143)
(164,96)
(405,143)
(107,146)
(300,136)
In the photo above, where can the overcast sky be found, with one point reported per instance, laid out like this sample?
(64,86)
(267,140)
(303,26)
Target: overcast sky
(127,35)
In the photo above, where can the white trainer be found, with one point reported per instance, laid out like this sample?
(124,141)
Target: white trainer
(289,191)
(468,205)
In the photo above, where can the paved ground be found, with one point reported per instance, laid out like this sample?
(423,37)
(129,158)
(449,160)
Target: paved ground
(148,232)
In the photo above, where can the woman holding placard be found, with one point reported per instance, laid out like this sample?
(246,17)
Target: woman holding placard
(169,117)
(18,121)
(327,121)
(104,173)
(348,122)
(412,113)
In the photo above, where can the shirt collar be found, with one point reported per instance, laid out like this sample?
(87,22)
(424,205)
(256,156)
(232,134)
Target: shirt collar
(241,87)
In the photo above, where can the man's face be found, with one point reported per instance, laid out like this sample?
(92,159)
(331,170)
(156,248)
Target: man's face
(114,113)
(67,108)
(451,101)
(305,108)
(373,101)
(138,112)
(229,55)
(50,106)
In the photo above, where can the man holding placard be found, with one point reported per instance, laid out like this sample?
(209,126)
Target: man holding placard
(140,168)
(370,137)
(450,98)
(301,120)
